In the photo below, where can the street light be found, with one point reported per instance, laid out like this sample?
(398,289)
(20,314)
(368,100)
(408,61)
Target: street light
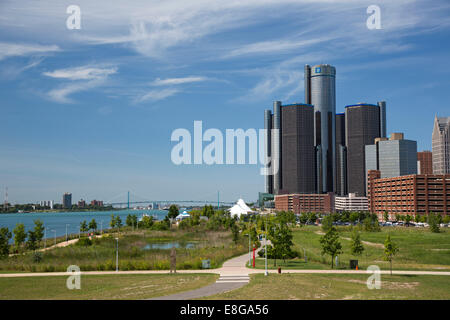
(54,231)
(66,230)
(117,255)
(265,248)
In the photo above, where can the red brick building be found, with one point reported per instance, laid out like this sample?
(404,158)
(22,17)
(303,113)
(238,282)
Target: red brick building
(298,203)
(411,194)
(425,162)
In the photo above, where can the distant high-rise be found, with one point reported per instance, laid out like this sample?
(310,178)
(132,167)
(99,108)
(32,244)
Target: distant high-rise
(268,146)
(362,126)
(441,145)
(341,156)
(67,200)
(392,158)
(297,139)
(276,146)
(424,162)
(320,91)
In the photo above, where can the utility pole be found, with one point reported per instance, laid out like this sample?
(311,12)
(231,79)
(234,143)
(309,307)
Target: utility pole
(117,255)
(265,248)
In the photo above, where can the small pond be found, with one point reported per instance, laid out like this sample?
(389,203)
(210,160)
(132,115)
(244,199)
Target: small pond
(169,245)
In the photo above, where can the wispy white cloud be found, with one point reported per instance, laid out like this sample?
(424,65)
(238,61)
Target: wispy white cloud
(175,81)
(156,95)
(81,73)
(23,49)
(82,78)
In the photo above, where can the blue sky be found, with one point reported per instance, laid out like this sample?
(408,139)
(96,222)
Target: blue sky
(91,111)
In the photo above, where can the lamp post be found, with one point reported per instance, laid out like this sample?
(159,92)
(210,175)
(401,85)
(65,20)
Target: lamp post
(117,255)
(54,232)
(66,230)
(265,249)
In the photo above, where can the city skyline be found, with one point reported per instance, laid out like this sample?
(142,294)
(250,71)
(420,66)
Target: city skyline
(90,111)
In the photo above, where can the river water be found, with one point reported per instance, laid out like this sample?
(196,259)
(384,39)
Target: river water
(57,221)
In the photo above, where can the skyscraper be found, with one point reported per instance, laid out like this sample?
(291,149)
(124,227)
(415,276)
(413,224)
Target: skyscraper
(320,91)
(441,145)
(67,200)
(362,126)
(392,158)
(268,151)
(341,155)
(424,162)
(298,148)
(276,146)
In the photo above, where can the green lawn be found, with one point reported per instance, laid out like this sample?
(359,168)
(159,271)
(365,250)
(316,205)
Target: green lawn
(333,287)
(102,286)
(419,249)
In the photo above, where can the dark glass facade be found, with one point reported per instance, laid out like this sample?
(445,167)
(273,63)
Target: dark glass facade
(297,139)
(362,126)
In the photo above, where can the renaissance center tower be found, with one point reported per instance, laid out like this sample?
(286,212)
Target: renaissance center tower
(320,91)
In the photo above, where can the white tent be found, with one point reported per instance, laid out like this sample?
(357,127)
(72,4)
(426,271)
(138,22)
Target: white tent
(183,215)
(239,208)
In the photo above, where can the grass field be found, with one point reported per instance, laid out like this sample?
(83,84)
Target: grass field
(214,245)
(335,287)
(419,249)
(102,286)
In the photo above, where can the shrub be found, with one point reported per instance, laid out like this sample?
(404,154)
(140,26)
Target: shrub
(84,242)
(37,257)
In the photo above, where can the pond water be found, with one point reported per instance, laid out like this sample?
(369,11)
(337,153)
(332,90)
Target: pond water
(170,245)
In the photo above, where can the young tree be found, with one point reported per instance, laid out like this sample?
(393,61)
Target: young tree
(19,235)
(417,218)
(32,240)
(433,222)
(38,230)
(386,216)
(147,221)
(408,219)
(353,217)
(330,244)
(390,249)
(235,232)
(357,247)
(118,221)
(5,235)
(327,223)
(93,225)
(131,220)
(173,212)
(83,226)
(397,217)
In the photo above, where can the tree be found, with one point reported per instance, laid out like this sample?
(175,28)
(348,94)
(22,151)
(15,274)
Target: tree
(131,220)
(397,217)
(5,235)
(390,249)
(330,244)
(235,232)
(417,218)
(433,222)
(408,219)
(357,247)
(281,237)
(84,226)
(32,240)
(93,225)
(38,230)
(147,221)
(112,223)
(446,219)
(327,223)
(19,235)
(353,216)
(118,221)
(173,212)
(386,216)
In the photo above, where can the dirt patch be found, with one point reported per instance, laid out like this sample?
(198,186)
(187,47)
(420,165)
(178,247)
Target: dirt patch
(391,285)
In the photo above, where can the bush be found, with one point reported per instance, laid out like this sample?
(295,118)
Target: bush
(84,242)
(37,257)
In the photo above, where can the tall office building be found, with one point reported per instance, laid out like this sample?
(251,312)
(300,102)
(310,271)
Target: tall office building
(424,162)
(341,156)
(297,140)
(67,200)
(441,145)
(276,146)
(268,151)
(320,91)
(392,158)
(362,126)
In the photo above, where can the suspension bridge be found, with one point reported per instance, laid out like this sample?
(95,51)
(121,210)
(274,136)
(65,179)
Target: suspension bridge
(131,199)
